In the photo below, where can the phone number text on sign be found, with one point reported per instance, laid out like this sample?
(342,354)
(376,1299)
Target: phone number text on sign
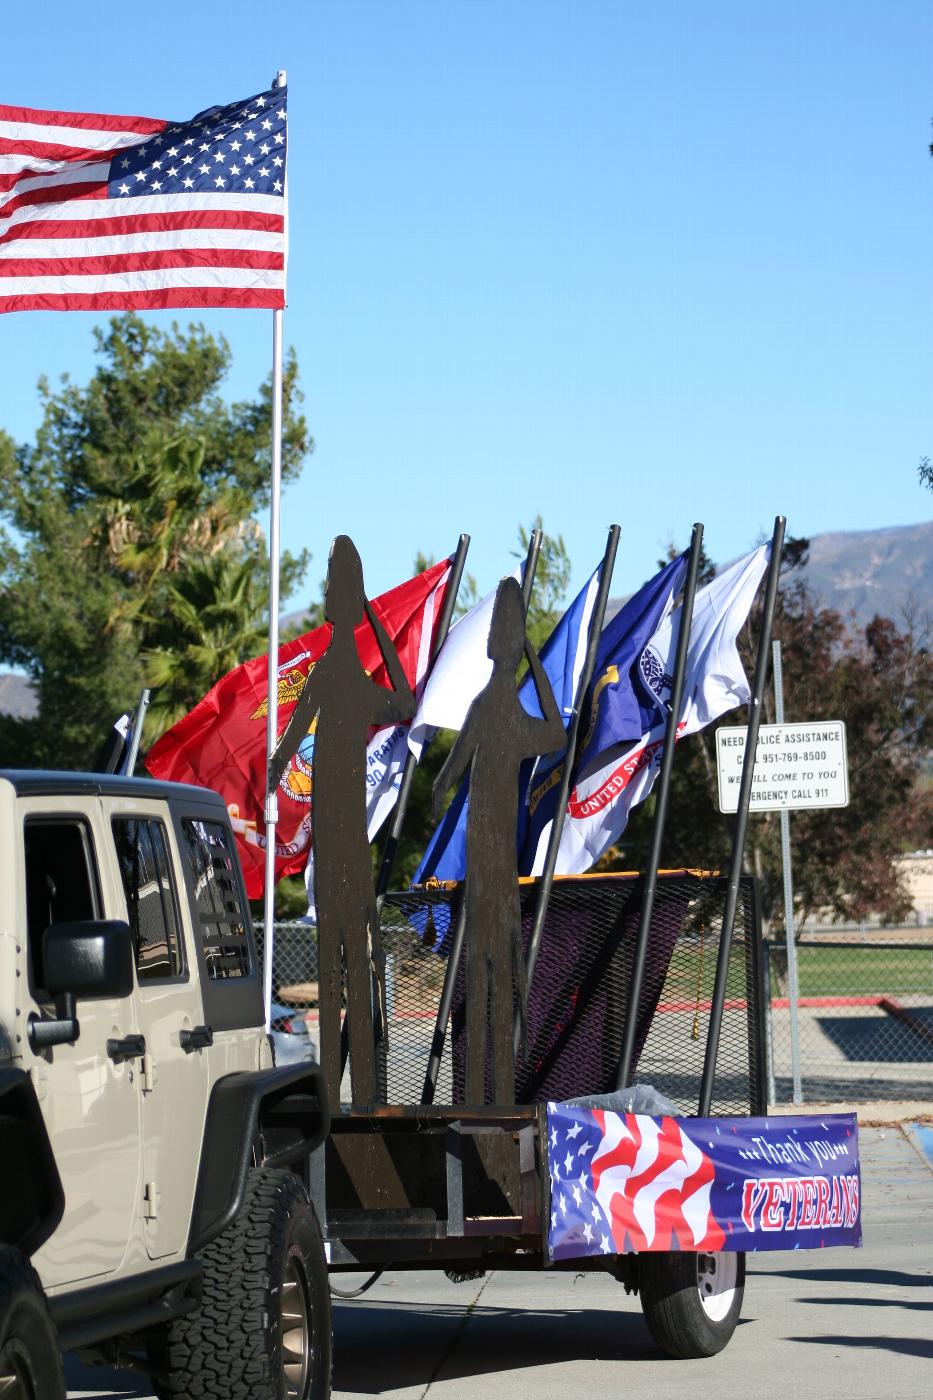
(796,766)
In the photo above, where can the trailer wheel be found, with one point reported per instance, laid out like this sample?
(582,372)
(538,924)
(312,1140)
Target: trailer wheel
(263,1330)
(692,1302)
(30,1364)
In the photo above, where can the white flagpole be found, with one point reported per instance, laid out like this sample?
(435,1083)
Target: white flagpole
(272,721)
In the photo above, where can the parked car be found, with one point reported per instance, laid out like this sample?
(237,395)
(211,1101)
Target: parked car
(292,1043)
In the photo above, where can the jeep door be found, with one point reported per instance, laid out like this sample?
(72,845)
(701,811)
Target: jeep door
(88,1096)
(174,1079)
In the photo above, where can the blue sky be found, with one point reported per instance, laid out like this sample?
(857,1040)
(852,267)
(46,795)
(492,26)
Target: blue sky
(602,261)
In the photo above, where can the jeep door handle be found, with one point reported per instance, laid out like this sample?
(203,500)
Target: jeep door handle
(198,1039)
(131,1047)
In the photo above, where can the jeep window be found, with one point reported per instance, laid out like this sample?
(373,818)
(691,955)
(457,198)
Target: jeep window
(221,921)
(61,883)
(151,903)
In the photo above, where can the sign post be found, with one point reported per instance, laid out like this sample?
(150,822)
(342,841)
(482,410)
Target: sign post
(796,766)
(793,986)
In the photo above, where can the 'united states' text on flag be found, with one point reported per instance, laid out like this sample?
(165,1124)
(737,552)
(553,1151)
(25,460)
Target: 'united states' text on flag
(116,213)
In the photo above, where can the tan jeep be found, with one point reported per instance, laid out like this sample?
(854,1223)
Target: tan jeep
(153,1210)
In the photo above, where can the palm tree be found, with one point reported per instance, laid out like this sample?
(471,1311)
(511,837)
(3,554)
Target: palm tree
(212,618)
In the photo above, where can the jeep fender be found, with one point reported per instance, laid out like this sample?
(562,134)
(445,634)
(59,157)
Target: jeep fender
(32,1201)
(272,1117)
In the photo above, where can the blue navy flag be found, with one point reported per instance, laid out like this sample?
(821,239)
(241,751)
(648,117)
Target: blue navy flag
(611,781)
(616,706)
(620,706)
(562,659)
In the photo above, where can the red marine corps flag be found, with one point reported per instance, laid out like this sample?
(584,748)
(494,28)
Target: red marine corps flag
(118,213)
(222,743)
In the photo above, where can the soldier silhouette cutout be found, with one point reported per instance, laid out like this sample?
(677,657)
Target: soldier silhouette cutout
(497,735)
(347,704)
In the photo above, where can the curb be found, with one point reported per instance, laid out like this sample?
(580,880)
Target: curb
(869,1115)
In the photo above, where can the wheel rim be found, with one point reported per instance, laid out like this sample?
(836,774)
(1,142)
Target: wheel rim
(296,1330)
(717,1275)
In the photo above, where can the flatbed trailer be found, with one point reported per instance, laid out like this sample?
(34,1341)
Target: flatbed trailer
(469,1188)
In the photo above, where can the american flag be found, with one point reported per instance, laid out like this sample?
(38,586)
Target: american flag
(115,213)
(624,1182)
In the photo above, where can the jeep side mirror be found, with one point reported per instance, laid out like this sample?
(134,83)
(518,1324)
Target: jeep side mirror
(92,958)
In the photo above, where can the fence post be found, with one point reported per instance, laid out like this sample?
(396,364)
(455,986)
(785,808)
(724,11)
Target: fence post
(769,1030)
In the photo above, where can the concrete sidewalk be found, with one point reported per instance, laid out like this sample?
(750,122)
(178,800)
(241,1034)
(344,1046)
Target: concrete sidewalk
(849,1323)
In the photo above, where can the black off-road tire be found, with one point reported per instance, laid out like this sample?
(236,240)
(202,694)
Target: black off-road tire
(260,1275)
(29,1355)
(691,1302)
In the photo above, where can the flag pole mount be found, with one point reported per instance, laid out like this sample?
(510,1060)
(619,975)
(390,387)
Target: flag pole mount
(271,812)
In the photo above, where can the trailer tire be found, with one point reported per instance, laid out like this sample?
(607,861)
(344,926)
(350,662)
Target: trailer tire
(263,1330)
(30,1363)
(692,1302)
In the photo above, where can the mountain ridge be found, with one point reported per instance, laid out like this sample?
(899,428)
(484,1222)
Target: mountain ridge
(859,573)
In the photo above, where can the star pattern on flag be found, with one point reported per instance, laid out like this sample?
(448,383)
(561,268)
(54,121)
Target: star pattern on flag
(576,1216)
(237,149)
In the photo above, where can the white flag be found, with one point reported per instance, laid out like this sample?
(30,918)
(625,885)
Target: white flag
(714,683)
(460,672)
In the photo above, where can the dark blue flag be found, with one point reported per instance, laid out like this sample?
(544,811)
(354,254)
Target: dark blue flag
(617,705)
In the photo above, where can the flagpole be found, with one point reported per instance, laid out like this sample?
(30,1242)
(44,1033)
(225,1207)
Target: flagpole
(456,945)
(139,719)
(741,820)
(650,877)
(272,718)
(557,824)
(411,762)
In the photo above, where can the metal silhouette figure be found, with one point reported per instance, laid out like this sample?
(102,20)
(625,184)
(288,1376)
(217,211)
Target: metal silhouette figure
(497,735)
(347,704)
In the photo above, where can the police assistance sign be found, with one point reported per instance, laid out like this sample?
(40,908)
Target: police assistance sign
(796,766)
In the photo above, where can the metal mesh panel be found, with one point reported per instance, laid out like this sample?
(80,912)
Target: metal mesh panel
(865,1018)
(578,997)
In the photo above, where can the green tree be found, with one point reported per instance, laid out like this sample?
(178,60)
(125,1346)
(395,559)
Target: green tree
(129,554)
(925,472)
(879,680)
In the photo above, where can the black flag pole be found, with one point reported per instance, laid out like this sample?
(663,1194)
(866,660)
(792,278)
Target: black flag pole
(408,772)
(741,820)
(456,945)
(650,873)
(557,824)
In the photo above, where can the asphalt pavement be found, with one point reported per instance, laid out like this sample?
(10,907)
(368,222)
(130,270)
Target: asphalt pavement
(845,1323)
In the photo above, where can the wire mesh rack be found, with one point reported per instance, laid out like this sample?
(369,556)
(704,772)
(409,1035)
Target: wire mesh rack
(578,998)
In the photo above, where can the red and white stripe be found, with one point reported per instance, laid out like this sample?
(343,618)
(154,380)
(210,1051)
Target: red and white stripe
(66,245)
(653,1183)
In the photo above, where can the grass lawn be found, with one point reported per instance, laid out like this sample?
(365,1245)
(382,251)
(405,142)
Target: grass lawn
(837,970)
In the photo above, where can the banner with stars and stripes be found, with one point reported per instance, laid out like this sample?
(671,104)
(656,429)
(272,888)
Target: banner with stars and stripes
(629,1183)
(120,213)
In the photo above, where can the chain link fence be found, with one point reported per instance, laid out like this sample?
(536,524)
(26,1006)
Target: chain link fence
(577,1002)
(864,1014)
